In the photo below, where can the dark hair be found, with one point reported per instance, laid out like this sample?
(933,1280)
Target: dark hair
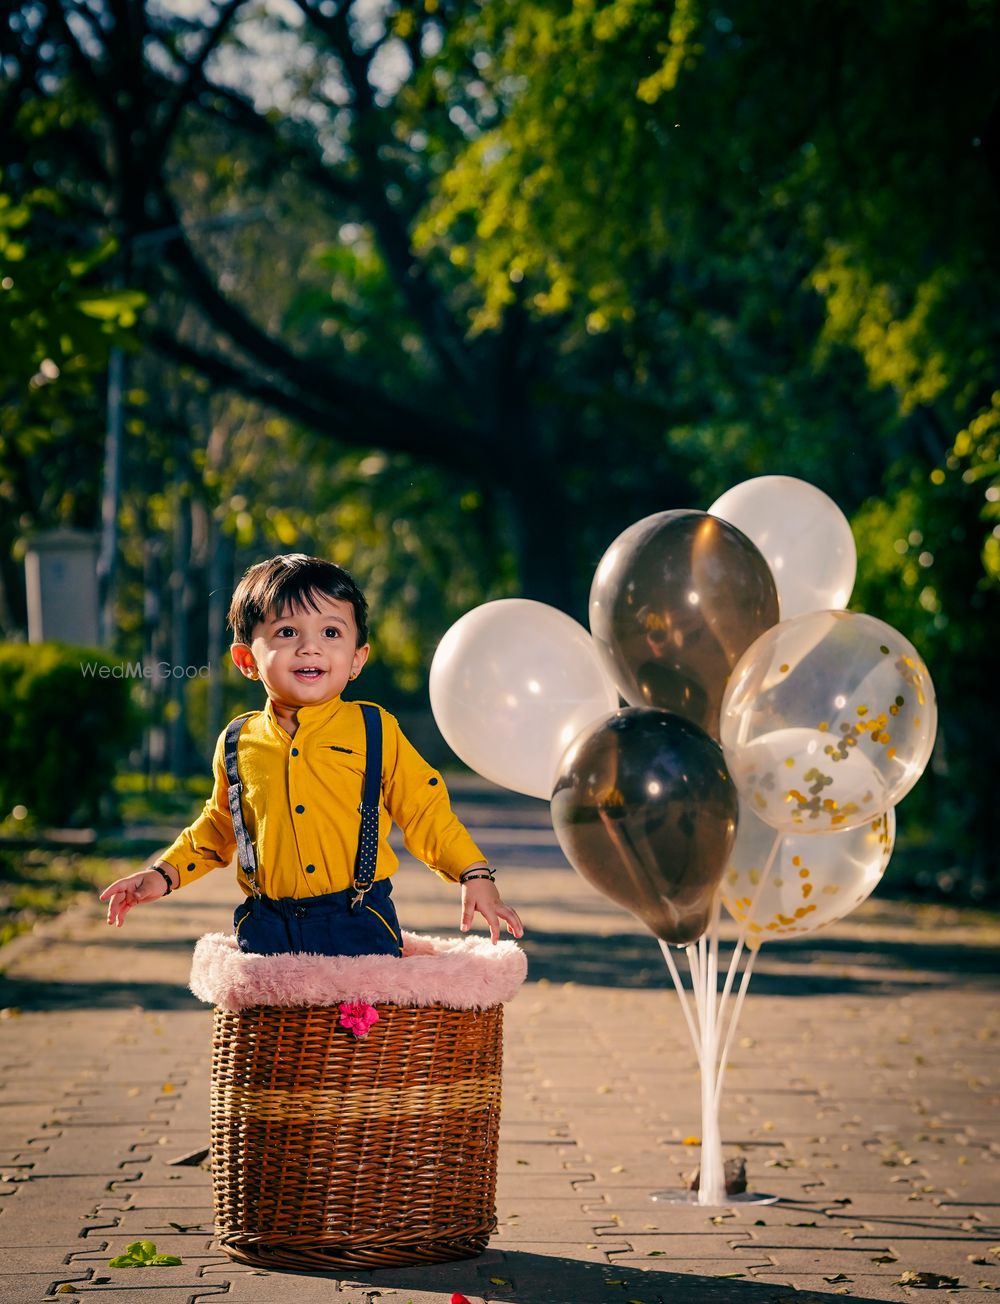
(293,580)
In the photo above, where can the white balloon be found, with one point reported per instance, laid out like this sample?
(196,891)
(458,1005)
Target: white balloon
(804,536)
(512,683)
(814,880)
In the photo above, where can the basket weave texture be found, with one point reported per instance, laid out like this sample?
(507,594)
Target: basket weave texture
(335,1151)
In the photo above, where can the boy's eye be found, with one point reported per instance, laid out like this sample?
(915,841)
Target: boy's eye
(332,631)
(286,631)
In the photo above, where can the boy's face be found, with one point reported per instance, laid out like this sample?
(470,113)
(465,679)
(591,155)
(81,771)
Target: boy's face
(304,657)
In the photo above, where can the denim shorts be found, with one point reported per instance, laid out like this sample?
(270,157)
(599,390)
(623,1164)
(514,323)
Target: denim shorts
(320,925)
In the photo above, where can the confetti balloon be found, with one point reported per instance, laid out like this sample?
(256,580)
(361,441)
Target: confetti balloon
(646,812)
(815,878)
(829,720)
(803,535)
(512,683)
(676,600)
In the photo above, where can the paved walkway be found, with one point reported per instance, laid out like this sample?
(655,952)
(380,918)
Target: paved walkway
(863,1093)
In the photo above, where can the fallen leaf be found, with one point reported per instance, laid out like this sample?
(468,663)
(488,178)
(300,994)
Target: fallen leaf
(802,1224)
(837,1276)
(885,1258)
(926,1280)
(618,1168)
(498,1281)
(989,1285)
(691,1141)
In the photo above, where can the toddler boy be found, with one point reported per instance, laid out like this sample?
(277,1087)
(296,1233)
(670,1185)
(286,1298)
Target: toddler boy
(306,790)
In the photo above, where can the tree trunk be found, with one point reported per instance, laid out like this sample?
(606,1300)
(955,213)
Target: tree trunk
(542,521)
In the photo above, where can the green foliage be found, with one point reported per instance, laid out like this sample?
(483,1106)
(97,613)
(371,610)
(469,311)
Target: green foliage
(65,731)
(922,571)
(142,1254)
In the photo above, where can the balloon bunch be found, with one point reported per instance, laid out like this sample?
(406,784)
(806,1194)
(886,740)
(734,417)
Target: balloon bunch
(767,735)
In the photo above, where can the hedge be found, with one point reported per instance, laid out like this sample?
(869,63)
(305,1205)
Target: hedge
(67,721)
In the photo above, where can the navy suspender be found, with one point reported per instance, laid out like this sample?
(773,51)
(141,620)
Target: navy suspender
(244,843)
(364,862)
(367,856)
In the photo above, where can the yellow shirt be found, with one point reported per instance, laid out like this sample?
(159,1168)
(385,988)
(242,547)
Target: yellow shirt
(300,803)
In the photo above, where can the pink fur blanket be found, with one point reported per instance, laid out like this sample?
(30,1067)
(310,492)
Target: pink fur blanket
(465,973)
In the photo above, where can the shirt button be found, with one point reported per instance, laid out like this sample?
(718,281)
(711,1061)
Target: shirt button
(191,866)
(300,809)
(432,782)
(295,751)
(310,869)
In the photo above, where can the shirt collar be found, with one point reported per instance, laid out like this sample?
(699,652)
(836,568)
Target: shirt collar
(310,717)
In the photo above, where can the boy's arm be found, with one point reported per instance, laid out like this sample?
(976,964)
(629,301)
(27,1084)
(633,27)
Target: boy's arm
(148,885)
(416,798)
(204,845)
(209,842)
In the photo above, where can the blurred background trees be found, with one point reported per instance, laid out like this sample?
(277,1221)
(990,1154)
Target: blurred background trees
(452,292)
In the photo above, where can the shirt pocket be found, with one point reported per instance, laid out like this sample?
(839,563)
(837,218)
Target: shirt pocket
(337,763)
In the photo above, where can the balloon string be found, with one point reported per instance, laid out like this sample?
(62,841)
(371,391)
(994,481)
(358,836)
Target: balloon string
(699,996)
(711,1187)
(682,993)
(745,924)
(724,1058)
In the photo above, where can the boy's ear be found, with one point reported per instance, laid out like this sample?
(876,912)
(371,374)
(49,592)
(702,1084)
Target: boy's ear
(243,660)
(360,657)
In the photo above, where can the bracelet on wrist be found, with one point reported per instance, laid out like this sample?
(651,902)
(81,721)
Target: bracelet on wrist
(479,871)
(165,876)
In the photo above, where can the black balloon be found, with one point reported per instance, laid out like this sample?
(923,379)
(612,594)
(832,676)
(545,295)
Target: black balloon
(645,810)
(676,601)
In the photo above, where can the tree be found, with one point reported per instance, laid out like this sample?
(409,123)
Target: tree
(585,260)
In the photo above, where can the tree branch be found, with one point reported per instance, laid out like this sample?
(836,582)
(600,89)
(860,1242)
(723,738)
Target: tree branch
(441,332)
(194,77)
(352,414)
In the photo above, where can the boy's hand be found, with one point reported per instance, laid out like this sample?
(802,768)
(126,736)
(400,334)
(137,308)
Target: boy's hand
(480,896)
(131,891)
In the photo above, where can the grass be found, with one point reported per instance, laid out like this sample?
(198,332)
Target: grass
(160,798)
(36,884)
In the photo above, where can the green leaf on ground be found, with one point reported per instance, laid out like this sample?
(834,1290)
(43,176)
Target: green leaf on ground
(142,1254)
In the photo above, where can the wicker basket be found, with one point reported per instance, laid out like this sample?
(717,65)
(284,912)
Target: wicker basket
(335,1151)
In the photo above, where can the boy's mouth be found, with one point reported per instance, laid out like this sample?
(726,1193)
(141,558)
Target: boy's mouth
(308,672)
